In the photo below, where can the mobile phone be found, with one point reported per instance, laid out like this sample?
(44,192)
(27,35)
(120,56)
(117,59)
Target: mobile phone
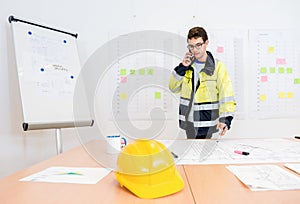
(192,57)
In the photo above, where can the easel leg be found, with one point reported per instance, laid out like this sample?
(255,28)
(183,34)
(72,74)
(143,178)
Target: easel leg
(58,141)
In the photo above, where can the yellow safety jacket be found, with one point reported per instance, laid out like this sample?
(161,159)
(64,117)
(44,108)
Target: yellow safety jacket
(213,96)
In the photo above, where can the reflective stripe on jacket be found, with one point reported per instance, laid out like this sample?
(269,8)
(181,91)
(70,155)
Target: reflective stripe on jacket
(213,98)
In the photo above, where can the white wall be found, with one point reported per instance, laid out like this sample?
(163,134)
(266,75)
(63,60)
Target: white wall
(98,21)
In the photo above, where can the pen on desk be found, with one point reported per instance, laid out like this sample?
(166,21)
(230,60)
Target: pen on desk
(241,152)
(174,155)
(297,137)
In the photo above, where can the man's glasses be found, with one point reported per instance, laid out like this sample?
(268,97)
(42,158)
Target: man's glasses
(197,46)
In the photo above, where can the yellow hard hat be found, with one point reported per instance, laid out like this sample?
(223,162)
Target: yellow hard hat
(147,169)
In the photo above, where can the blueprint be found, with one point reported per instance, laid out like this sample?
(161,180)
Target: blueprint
(266,177)
(223,151)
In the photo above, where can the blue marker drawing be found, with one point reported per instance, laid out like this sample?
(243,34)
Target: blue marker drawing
(72,77)
(65,41)
(42,69)
(71,173)
(29,33)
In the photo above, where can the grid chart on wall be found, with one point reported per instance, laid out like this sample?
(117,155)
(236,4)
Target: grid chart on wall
(276,60)
(227,46)
(142,85)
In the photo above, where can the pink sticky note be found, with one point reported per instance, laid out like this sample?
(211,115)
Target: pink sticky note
(123,79)
(264,78)
(280,61)
(220,49)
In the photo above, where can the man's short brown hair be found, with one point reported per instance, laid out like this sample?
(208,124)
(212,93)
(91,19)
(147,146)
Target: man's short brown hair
(197,32)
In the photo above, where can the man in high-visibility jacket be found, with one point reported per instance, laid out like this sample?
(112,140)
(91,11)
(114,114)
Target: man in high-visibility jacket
(207,102)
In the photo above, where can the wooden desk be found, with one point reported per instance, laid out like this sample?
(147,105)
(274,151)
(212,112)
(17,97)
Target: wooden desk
(214,184)
(13,191)
(207,184)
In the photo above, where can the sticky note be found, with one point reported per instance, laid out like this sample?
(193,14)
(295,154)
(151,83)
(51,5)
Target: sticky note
(220,49)
(280,61)
(290,95)
(142,71)
(123,79)
(123,96)
(150,71)
(281,70)
(271,49)
(289,70)
(297,81)
(263,97)
(132,71)
(281,95)
(123,72)
(263,70)
(272,70)
(264,78)
(157,95)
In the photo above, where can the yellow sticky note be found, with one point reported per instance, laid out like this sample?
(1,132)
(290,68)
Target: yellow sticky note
(281,70)
(290,95)
(150,71)
(272,70)
(263,70)
(157,95)
(123,96)
(263,97)
(281,95)
(142,71)
(271,49)
(297,81)
(132,71)
(123,72)
(289,70)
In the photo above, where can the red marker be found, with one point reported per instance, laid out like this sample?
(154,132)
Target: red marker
(241,152)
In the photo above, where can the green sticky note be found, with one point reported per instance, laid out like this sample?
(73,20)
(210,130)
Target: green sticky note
(123,72)
(297,81)
(142,71)
(289,70)
(150,71)
(132,71)
(272,70)
(157,95)
(263,70)
(281,70)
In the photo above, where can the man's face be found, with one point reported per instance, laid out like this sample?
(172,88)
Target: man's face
(197,47)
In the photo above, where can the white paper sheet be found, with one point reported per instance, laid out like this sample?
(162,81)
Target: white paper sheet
(222,151)
(266,177)
(69,175)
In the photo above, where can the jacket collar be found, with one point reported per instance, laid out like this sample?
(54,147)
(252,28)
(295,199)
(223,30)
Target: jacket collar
(209,66)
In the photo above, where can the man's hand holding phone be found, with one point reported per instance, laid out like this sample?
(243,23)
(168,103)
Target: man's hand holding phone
(188,59)
(186,62)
